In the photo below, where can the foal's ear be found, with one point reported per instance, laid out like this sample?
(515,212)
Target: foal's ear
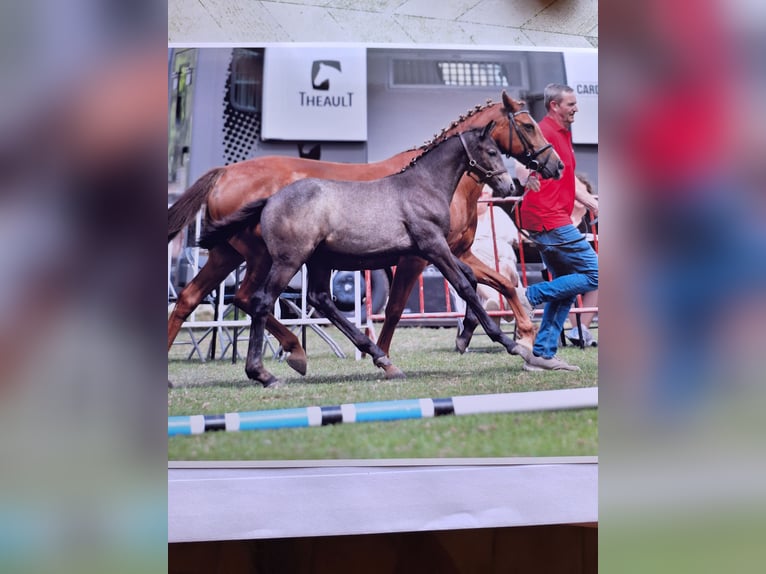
(487,129)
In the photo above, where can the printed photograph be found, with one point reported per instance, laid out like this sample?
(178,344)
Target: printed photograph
(382,253)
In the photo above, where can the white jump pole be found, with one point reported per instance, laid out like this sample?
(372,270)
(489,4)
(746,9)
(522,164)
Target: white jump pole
(582,398)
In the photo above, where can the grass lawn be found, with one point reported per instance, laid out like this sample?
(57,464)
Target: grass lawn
(433,370)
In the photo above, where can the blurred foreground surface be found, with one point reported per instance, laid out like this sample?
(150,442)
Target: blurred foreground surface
(82,145)
(682,362)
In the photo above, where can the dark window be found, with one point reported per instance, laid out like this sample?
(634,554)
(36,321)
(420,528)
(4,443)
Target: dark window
(246,76)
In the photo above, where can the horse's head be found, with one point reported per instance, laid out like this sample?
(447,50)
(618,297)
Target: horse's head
(522,139)
(485,160)
(515,133)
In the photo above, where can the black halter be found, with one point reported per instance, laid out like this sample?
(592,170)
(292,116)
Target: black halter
(530,154)
(474,167)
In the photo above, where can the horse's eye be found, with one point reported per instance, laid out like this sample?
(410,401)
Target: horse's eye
(529,127)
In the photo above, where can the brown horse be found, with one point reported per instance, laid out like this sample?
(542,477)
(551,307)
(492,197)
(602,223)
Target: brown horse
(330,224)
(224,190)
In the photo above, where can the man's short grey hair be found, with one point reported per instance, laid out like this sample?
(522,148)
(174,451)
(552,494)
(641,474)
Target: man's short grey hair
(555,93)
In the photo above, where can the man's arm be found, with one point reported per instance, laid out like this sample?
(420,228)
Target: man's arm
(588,200)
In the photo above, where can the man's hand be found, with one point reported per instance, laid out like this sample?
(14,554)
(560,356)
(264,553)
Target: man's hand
(533,183)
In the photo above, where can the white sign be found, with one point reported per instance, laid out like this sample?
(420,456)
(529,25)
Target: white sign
(582,77)
(315,93)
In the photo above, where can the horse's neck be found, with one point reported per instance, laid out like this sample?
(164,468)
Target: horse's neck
(475,120)
(446,164)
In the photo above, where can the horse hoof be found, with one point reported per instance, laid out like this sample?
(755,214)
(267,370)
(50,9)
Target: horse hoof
(461,346)
(297,363)
(170,385)
(393,372)
(273,383)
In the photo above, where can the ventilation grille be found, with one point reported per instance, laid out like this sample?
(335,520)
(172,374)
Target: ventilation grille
(241,130)
(421,72)
(472,74)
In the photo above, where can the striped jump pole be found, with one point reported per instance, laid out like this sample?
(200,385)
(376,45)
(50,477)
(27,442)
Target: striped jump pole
(582,398)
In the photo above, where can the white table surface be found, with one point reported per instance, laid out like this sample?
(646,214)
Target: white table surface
(237,502)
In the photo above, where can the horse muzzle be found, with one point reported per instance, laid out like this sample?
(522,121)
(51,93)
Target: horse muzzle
(501,184)
(553,168)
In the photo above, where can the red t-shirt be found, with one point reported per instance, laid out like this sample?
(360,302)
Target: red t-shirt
(551,207)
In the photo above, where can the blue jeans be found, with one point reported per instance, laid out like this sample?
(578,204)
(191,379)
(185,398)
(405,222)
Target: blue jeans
(573,265)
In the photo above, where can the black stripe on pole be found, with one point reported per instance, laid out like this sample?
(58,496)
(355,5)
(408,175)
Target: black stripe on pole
(443,407)
(331,415)
(215,422)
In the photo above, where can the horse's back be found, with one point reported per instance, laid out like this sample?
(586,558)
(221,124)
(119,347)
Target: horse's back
(344,216)
(262,177)
(336,200)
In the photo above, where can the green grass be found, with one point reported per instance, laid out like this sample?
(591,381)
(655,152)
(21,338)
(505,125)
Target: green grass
(433,369)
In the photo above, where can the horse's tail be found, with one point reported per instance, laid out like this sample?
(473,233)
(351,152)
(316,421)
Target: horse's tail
(214,233)
(186,207)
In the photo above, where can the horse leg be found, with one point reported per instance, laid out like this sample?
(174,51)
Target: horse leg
(408,269)
(222,260)
(470,321)
(257,268)
(254,363)
(291,346)
(486,275)
(261,302)
(449,266)
(319,296)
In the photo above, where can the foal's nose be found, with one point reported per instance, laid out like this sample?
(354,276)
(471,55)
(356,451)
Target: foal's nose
(507,184)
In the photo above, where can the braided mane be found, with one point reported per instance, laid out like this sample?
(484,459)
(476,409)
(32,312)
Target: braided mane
(442,136)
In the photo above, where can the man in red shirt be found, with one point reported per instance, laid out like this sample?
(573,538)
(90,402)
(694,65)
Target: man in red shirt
(546,214)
